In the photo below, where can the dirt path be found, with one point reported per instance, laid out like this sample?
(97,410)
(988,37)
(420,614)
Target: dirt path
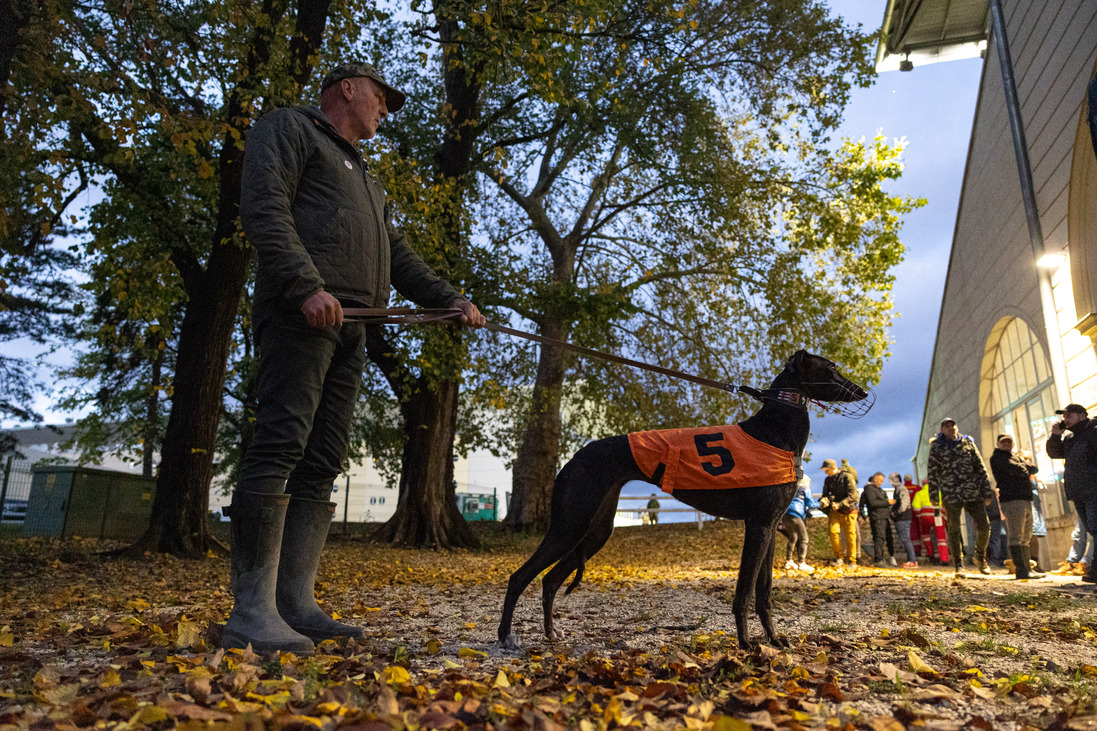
(649,641)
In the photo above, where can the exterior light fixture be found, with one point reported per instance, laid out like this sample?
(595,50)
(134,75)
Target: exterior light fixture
(906,64)
(1051,261)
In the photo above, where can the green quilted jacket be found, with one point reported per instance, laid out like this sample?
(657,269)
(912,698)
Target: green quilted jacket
(319,220)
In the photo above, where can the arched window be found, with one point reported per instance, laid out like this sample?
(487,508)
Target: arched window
(1018,398)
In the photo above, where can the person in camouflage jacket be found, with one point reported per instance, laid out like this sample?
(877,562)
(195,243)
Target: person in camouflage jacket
(958,481)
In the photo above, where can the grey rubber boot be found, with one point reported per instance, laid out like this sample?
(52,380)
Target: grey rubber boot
(307,523)
(1020,562)
(257,522)
(1026,552)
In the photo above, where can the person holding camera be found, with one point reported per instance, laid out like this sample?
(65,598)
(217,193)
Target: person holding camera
(958,482)
(839,502)
(1074,439)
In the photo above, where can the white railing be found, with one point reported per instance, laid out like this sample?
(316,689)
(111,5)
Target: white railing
(700,515)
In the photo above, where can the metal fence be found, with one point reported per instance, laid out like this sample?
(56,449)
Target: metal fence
(15,489)
(701,517)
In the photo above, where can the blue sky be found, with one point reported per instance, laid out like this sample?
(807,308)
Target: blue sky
(932,107)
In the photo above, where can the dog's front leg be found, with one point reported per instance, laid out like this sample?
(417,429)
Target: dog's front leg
(754,552)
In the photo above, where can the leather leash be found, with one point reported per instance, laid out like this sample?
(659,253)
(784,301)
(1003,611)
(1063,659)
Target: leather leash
(415,316)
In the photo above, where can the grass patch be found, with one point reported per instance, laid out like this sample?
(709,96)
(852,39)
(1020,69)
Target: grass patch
(1046,600)
(978,628)
(835,627)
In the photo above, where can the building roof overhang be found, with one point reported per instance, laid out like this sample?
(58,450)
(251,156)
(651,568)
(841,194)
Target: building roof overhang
(929,31)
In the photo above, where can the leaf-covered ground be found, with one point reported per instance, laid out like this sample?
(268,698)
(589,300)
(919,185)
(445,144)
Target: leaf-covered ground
(94,642)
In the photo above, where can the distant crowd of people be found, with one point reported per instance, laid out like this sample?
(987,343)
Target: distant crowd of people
(1006,519)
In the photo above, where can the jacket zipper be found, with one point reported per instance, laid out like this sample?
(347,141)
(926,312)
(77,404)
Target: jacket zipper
(379,298)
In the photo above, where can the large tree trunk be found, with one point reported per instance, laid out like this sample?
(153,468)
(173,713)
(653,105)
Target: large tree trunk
(178,523)
(426,513)
(539,452)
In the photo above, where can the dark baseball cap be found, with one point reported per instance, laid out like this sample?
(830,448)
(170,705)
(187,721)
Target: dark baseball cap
(394,98)
(1073,408)
(948,421)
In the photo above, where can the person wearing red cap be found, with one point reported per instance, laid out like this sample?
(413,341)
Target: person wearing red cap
(1074,440)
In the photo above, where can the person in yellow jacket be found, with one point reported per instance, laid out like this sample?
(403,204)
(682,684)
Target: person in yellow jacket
(932,525)
(839,502)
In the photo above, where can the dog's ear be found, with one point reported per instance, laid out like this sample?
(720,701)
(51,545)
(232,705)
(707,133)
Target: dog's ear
(795,360)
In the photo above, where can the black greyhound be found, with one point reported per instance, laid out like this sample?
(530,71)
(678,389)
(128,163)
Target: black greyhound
(586,491)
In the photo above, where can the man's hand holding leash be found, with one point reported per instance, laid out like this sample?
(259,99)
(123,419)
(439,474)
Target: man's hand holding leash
(322,310)
(470,315)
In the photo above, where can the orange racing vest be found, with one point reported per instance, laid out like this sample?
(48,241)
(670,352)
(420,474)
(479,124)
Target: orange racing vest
(709,458)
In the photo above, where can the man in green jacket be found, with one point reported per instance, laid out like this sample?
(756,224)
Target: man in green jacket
(323,230)
(958,481)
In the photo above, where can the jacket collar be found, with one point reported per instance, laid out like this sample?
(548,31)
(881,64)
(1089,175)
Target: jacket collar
(322,122)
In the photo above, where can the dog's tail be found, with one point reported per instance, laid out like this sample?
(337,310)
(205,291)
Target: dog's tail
(578,575)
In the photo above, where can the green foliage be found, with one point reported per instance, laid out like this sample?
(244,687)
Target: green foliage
(653,179)
(648,178)
(143,104)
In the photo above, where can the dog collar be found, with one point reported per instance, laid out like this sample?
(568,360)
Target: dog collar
(785,396)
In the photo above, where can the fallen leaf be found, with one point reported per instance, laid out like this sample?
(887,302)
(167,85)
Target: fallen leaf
(918,665)
(148,715)
(469,652)
(435,719)
(386,702)
(894,672)
(831,692)
(980,723)
(935,692)
(181,709)
(188,633)
(59,695)
(395,674)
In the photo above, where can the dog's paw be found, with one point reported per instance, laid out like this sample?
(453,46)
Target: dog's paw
(780,642)
(554,635)
(511,643)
